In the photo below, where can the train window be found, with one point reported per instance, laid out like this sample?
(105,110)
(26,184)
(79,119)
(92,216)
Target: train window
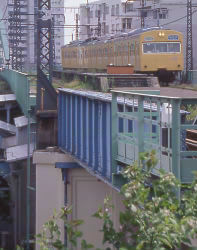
(174,47)
(173,37)
(119,50)
(100,52)
(161,48)
(149,48)
(126,49)
(132,48)
(106,51)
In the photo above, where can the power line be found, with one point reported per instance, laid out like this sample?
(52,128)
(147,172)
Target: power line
(194,11)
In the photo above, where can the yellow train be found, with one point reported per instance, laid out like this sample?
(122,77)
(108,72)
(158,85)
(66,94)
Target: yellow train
(152,51)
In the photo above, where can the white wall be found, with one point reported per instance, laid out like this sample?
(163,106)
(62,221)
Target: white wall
(49,187)
(83,191)
(86,193)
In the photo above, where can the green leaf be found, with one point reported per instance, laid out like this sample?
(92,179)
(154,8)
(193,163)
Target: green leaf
(140,245)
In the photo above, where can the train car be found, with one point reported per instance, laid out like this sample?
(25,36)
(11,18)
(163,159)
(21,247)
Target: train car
(155,51)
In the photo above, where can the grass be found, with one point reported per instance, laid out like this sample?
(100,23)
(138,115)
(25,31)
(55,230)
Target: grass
(74,84)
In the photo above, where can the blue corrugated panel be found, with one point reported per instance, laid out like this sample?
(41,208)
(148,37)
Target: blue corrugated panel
(84,129)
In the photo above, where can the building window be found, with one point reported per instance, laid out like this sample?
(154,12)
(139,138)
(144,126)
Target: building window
(155,14)
(129,7)
(144,13)
(163,14)
(96,13)
(126,23)
(113,27)
(117,9)
(106,10)
(160,13)
(91,14)
(113,10)
(106,29)
(117,27)
(129,22)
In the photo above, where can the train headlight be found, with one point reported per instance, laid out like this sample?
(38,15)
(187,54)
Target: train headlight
(161,34)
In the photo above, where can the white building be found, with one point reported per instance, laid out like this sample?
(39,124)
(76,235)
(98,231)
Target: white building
(28,15)
(106,17)
(58,15)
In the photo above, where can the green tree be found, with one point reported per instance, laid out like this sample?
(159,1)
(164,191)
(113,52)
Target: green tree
(154,218)
(49,238)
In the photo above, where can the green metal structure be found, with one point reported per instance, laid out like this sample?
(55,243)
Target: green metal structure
(152,122)
(20,85)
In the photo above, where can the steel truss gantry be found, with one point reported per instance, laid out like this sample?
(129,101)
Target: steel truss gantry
(46,95)
(142,13)
(15,37)
(189,45)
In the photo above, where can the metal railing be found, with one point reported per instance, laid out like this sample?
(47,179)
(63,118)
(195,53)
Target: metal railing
(20,86)
(150,122)
(191,76)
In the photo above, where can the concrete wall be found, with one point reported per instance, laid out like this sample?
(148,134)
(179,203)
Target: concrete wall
(84,192)
(49,187)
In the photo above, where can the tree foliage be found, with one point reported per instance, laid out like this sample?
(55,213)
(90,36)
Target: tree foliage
(154,217)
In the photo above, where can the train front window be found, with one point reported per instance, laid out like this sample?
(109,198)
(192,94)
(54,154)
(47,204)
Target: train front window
(161,47)
(156,48)
(174,47)
(149,47)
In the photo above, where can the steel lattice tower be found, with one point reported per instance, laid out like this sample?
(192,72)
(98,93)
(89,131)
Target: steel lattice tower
(142,13)
(46,95)
(15,36)
(189,45)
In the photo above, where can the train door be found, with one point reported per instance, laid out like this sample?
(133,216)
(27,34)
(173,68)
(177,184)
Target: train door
(122,53)
(137,56)
(111,53)
(83,56)
(115,53)
(80,57)
(128,52)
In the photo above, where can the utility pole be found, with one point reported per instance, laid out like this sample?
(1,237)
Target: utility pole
(77,27)
(189,45)
(99,23)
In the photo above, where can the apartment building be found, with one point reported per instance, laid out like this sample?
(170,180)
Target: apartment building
(58,15)
(26,47)
(106,17)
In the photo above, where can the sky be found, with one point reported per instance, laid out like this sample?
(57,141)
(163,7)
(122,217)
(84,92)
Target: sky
(76,2)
